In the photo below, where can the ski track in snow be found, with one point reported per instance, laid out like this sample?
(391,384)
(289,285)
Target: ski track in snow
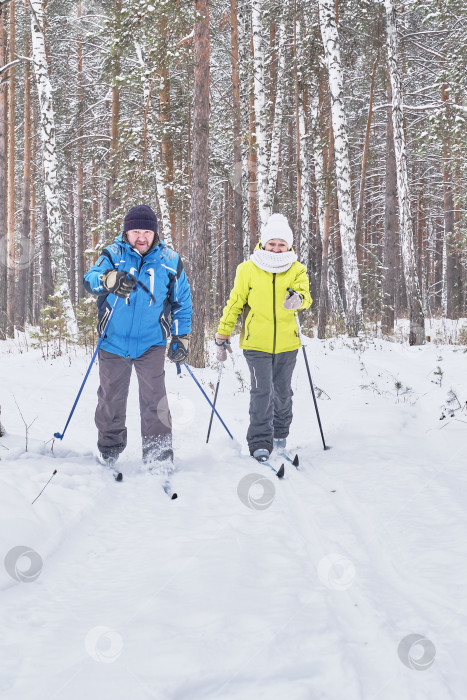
(143,597)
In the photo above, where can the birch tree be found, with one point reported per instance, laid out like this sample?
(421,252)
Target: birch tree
(10,222)
(3,238)
(332,56)
(154,149)
(274,150)
(414,301)
(260,112)
(237,136)
(390,222)
(47,122)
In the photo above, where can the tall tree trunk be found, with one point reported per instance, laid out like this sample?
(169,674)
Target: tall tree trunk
(303,174)
(34,281)
(11,176)
(167,151)
(245,51)
(167,220)
(94,210)
(115,115)
(198,231)
(54,216)
(298,194)
(366,148)
(453,308)
(80,234)
(26,256)
(252,171)
(3,207)
(72,238)
(259,110)
(46,275)
(237,140)
(341,156)
(414,301)
(274,153)
(390,227)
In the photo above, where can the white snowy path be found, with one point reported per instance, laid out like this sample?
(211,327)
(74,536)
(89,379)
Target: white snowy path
(142,597)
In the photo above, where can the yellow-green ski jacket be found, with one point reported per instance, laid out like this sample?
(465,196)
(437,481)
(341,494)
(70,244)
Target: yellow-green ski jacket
(266,326)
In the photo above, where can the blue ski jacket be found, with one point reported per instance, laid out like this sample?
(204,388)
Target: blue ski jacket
(138,323)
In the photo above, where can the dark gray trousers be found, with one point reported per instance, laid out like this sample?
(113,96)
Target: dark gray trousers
(270,396)
(156,422)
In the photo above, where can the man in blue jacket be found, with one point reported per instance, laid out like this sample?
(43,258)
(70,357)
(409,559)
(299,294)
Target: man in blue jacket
(137,333)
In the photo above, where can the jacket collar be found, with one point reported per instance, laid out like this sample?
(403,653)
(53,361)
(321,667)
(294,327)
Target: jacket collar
(130,249)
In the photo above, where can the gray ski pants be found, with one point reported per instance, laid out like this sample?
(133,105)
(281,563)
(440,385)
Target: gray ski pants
(270,397)
(156,422)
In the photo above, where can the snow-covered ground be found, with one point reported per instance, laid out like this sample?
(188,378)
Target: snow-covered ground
(314,587)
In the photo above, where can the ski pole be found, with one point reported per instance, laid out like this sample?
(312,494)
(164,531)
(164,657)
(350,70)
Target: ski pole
(208,400)
(215,399)
(291,291)
(143,286)
(57,435)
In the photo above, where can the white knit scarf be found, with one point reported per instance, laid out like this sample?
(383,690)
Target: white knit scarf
(273,262)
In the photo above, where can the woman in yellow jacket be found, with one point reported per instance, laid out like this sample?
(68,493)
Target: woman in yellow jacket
(269,336)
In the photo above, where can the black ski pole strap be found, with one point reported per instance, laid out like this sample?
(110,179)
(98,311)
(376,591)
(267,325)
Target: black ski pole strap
(143,286)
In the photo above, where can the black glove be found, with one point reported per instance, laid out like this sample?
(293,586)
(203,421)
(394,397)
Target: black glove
(117,282)
(178,348)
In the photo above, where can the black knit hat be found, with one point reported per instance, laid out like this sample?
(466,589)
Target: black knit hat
(141,217)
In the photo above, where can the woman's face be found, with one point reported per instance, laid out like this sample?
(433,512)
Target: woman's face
(276,245)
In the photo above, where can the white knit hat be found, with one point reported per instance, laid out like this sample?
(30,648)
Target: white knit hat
(277,226)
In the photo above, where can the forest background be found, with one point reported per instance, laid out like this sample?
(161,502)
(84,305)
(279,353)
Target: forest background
(346,116)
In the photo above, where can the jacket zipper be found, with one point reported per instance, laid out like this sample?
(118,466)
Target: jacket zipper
(248,327)
(130,334)
(274,310)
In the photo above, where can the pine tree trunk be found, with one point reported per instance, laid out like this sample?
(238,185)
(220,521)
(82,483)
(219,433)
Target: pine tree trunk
(26,256)
(54,216)
(414,301)
(198,231)
(341,157)
(3,208)
(390,228)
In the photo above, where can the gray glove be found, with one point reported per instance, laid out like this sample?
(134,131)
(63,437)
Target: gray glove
(178,348)
(292,301)
(117,282)
(222,346)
